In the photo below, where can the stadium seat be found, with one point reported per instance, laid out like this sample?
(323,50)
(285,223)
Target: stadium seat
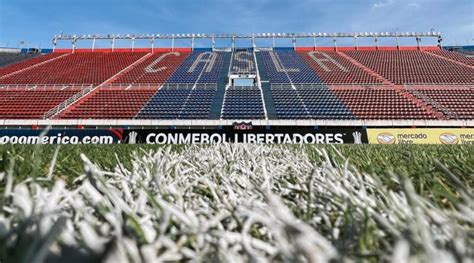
(199,67)
(456,56)
(287,67)
(243,63)
(455,102)
(110,103)
(12,58)
(77,68)
(25,64)
(379,103)
(413,67)
(31,103)
(179,103)
(243,103)
(156,69)
(335,69)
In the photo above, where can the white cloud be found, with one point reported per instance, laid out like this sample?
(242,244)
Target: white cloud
(382,4)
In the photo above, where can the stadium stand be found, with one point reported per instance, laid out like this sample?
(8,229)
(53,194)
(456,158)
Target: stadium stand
(110,103)
(243,103)
(31,103)
(456,56)
(413,66)
(288,104)
(7,58)
(322,104)
(287,66)
(454,102)
(305,84)
(243,63)
(26,64)
(379,103)
(179,103)
(156,69)
(77,68)
(199,67)
(333,68)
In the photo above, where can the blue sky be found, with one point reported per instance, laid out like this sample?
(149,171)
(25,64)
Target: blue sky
(35,22)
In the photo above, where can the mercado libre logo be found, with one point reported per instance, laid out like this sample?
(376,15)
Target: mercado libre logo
(386,138)
(448,138)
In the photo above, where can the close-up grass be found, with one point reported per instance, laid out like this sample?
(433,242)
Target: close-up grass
(138,203)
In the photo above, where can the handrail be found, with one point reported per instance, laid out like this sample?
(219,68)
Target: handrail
(66,103)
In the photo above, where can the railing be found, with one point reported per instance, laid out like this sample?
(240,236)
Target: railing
(43,86)
(67,102)
(427,99)
(189,86)
(132,86)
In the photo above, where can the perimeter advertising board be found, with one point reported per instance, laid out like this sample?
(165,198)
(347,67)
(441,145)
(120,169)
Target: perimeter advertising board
(241,133)
(421,136)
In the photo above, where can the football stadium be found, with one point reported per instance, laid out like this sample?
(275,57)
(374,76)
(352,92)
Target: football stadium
(237,147)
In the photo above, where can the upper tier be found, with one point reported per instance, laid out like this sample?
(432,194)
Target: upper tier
(305,66)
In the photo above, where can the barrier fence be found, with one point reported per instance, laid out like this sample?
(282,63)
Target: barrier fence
(242,133)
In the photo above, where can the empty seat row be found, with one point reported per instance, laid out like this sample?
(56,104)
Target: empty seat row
(243,103)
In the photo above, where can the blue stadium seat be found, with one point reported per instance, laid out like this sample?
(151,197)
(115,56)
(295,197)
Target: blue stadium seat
(179,103)
(199,67)
(243,103)
(288,67)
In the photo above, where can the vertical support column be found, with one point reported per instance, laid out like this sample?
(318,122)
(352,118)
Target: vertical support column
(74,45)
(93,44)
(273,42)
(418,42)
(192,43)
(213,42)
(133,43)
(335,44)
(376,43)
(440,41)
(113,44)
(294,43)
(356,43)
(172,42)
(233,43)
(314,43)
(398,43)
(152,41)
(55,41)
(253,42)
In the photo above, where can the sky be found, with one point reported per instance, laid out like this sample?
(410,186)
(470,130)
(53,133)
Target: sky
(35,22)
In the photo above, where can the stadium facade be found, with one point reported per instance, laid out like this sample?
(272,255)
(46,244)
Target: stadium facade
(256,94)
